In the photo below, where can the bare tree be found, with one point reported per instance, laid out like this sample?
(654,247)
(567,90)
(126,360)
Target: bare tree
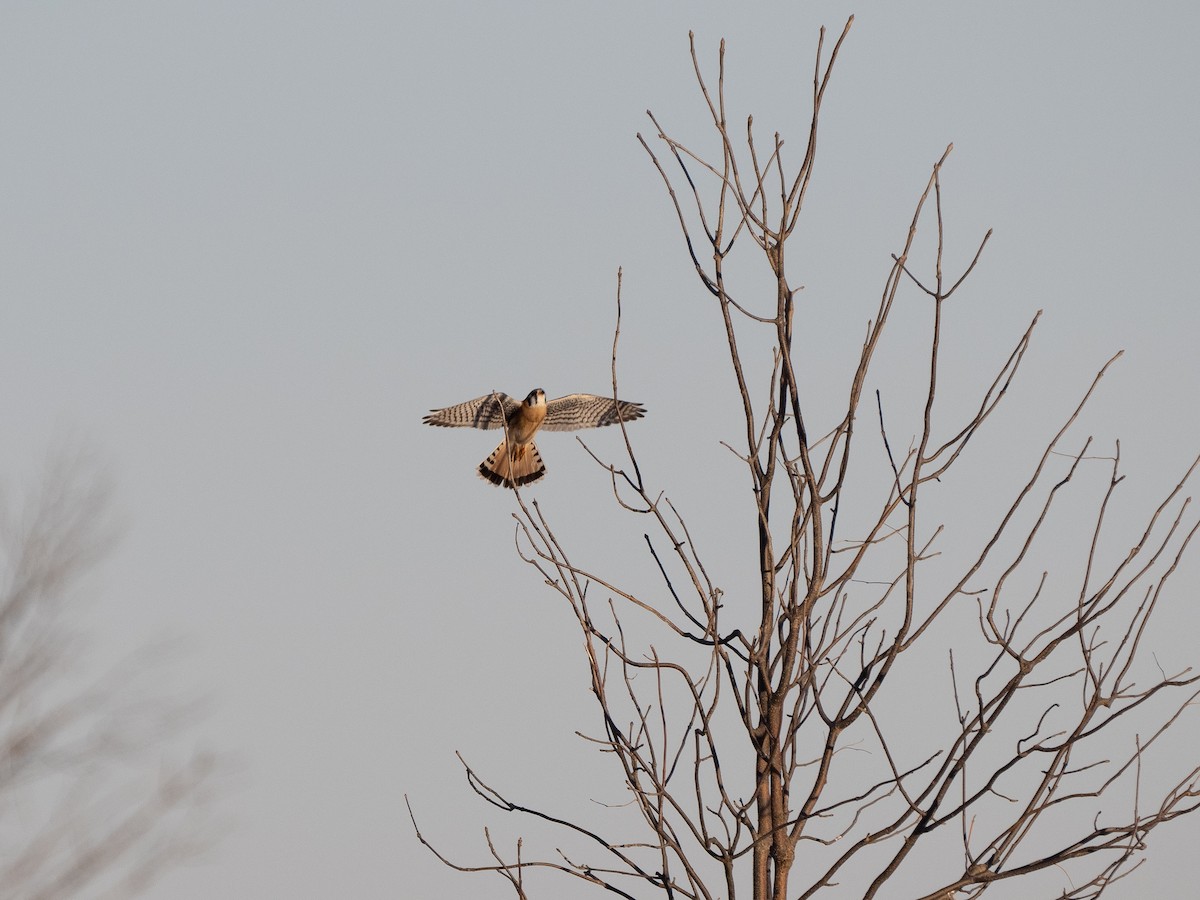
(887,720)
(84,810)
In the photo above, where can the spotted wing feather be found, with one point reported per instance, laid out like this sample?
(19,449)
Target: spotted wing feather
(488,411)
(576,411)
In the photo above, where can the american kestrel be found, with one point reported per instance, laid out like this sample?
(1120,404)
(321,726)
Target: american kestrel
(516,461)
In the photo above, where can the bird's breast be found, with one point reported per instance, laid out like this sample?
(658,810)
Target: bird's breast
(527,422)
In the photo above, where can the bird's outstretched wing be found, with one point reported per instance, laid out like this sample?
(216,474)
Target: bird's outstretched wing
(488,411)
(575,411)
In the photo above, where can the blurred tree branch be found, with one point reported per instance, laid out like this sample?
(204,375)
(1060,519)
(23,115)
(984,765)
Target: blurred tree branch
(84,809)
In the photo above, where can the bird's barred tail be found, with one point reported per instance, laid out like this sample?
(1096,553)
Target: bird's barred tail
(511,468)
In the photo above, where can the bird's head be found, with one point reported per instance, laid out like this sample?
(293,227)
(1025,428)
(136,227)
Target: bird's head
(537,397)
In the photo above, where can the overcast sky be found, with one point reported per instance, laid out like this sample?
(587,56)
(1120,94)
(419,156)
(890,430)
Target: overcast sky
(245,246)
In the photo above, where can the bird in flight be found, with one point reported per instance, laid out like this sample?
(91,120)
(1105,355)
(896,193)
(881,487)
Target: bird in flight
(517,461)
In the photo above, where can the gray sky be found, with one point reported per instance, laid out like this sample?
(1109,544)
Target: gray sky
(246,246)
